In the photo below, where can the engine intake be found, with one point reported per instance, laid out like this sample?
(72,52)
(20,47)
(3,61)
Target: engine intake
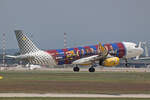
(109,62)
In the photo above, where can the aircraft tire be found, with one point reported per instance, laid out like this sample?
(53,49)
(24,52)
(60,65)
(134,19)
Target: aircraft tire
(76,69)
(91,69)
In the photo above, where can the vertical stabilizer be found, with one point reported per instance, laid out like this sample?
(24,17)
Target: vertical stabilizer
(24,43)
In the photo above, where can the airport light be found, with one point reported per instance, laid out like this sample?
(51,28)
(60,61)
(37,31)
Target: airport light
(65,40)
(4,48)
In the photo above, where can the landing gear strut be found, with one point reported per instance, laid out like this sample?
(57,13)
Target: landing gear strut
(76,69)
(29,66)
(126,63)
(91,69)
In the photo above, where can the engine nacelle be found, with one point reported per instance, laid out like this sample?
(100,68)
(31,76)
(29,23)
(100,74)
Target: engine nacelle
(109,62)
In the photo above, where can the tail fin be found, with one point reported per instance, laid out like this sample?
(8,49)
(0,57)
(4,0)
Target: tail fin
(24,43)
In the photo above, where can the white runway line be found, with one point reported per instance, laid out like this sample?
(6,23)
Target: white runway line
(74,95)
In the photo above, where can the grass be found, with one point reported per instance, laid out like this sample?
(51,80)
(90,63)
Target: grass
(83,76)
(47,98)
(70,82)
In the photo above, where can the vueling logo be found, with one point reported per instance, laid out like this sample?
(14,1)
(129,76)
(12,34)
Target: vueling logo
(24,38)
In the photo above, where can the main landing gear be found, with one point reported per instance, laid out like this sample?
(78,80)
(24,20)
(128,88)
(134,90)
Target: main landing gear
(76,68)
(91,69)
(126,63)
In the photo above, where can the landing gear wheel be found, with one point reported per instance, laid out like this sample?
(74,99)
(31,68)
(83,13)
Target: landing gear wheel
(91,69)
(76,69)
(126,63)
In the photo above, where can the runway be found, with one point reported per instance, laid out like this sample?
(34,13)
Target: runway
(75,95)
(82,69)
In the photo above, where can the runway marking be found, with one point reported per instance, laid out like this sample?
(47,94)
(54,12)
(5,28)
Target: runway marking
(75,95)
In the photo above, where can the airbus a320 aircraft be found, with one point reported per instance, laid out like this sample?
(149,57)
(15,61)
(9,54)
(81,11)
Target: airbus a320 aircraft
(106,54)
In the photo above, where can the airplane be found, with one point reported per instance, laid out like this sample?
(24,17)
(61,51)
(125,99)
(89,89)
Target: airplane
(106,55)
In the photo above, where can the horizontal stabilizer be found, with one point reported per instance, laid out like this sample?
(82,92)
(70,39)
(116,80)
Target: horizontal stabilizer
(10,56)
(27,56)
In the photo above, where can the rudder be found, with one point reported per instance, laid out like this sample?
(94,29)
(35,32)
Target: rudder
(24,43)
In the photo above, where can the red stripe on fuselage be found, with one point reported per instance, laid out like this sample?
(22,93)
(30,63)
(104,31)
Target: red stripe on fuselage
(121,50)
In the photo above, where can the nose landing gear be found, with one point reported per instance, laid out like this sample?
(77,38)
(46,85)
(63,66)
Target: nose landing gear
(126,63)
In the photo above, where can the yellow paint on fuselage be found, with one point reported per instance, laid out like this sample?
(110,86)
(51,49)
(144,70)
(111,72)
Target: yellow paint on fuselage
(85,64)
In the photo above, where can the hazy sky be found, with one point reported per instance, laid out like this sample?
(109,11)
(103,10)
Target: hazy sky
(84,21)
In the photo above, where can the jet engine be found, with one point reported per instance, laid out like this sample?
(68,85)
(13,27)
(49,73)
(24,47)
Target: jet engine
(109,62)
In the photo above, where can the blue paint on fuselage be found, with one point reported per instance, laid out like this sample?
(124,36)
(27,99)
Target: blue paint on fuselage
(115,47)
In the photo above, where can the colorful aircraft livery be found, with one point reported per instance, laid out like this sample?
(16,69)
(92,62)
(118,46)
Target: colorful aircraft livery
(86,55)
(68,55)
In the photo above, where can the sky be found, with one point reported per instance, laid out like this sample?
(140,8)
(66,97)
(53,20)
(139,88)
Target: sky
(85,21)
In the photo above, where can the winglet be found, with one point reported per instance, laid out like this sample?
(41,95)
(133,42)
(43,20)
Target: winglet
(102,50)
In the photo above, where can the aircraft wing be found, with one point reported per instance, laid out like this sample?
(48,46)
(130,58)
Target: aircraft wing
(86,60)
(102,53)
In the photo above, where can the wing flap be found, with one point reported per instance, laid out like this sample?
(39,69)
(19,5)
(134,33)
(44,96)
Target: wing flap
(86,60)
